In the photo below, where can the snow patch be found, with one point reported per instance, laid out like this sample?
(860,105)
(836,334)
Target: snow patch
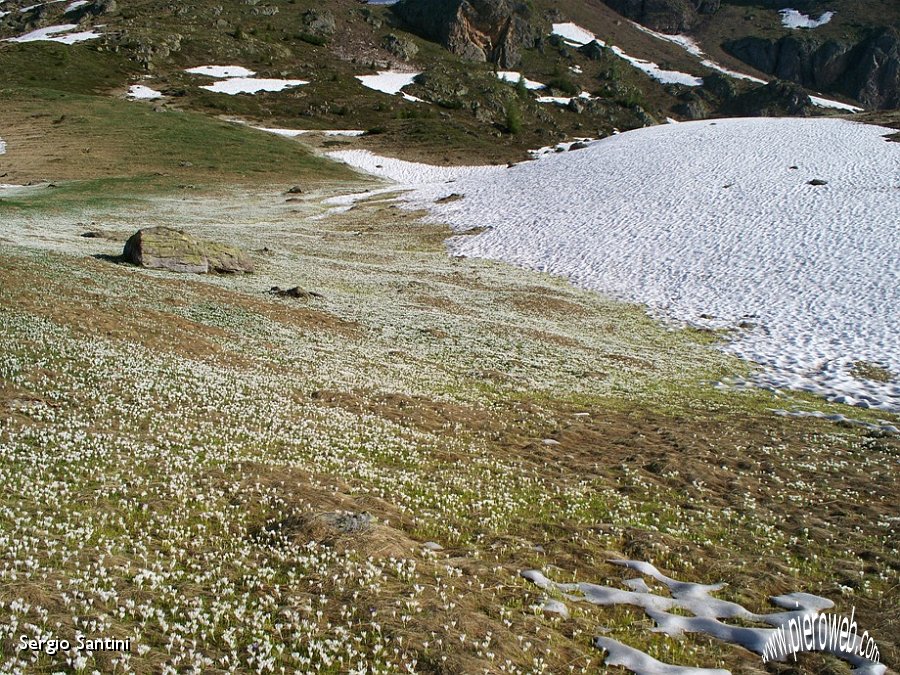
(293,133)
(691,47)
(657,73)
(512,77)
(2,147)
(142,93)
(390,82)
(221,71)
(837,105)
(62,34)
(71,7)
(287,133)
(708,223)
(250,85)
(28,8)
(791,18)
(705,617)
(576,35)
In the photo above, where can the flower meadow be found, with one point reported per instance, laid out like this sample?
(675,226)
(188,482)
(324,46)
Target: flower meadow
(240,483)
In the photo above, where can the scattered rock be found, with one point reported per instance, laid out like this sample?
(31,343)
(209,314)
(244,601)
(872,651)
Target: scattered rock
(319,22)
(578,145)
(169,249)
(576,105)
(348,522)
(818,181)
(433,546)
(296,190)
(449,198)
(401,47)
(295,292)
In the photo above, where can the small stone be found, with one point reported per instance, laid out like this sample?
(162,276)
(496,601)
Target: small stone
(818,181)
(295,292)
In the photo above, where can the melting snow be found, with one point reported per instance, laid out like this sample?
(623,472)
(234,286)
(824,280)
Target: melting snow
(691,47)
(28,8)
(708,219)
(292,133)
(221,71)
(562,100)
(2,146)
(576,35)
(389,82)
(707,612)
(140,92)
(239,80)
(657,73)
(71,7)
(61,34)
(513,77)
(250,85)
(791,18)
(828,103)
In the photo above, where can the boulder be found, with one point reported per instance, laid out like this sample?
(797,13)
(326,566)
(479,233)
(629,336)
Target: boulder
(318,22)
(495,31)
(165,248)
(226,259)
(401,47)
(294,292)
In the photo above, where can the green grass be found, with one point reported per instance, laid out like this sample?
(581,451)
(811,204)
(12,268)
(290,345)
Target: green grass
(78,68)
(88,137)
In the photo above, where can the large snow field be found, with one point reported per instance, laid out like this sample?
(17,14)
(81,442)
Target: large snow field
(713,223)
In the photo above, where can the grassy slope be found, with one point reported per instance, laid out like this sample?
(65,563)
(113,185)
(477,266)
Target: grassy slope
(189,35)
(59,136)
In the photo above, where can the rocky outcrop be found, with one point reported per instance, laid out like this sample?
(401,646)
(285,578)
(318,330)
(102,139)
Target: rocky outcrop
(319,22)
(668,16)
(165,248)
(401,47)
(868,70)
(775,99)
(495,31)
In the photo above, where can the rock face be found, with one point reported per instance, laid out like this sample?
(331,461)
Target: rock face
(868,71)
(495,31)
(167,249)
(667,16)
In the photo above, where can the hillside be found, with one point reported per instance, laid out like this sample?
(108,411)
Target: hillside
(446,337)
(455,109)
